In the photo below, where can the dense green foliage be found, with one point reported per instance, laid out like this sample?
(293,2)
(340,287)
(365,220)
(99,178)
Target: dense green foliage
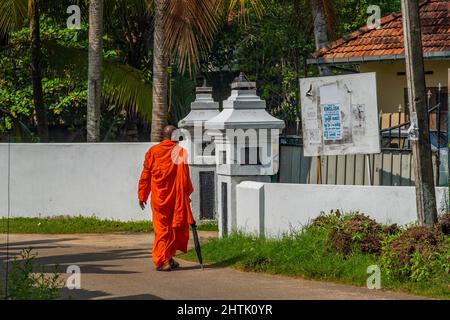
(271,49)
(64,82)
(352,14)
(410,261)
(418,254)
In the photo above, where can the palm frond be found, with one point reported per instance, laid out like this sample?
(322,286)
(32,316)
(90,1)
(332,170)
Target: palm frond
(58,8)
(229,7)
(331,17)
(12,15)
(182,94)
(189,29)
(123,86)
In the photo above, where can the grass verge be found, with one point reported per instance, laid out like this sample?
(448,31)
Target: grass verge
(307,255)
(65,225)
(207,225)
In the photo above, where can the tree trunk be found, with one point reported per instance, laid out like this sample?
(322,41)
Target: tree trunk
(423,164)
(36,74)
(95,70)
(160,76)
(320,30)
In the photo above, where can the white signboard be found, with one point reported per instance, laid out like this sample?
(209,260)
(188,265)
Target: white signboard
(340,115)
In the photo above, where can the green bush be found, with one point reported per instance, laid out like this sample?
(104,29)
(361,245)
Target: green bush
(312,253)
(419,253)
(328,221)
(444,224)
(353,232)
(24,284)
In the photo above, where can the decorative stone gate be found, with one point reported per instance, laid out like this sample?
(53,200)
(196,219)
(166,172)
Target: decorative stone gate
(246,141)
(201,153)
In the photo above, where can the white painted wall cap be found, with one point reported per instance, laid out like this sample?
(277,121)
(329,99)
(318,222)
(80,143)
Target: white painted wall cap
(251,185)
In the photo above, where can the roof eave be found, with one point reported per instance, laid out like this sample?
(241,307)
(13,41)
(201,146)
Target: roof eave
(383,58)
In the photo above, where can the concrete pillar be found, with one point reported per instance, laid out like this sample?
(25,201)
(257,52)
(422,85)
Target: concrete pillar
(201,153)
(246,141)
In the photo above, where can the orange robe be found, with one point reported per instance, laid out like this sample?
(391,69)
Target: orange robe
(166,176)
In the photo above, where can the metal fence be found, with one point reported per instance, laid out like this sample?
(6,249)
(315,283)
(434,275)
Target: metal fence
(392,167)
(389,168)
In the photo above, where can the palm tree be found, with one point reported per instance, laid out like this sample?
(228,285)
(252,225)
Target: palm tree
(94,70)
(186,30)
(123,86)
(160,76)
(36,72)
(12,15)
(323,16)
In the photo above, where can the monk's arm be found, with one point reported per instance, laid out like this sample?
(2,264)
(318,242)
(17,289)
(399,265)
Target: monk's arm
(187,183)
(146,178)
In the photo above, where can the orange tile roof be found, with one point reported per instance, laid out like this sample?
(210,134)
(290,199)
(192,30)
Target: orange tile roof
(386,43)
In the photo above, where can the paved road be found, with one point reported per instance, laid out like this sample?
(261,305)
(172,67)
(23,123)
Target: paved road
(119,266)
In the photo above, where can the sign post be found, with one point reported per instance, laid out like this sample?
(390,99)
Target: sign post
(419,131)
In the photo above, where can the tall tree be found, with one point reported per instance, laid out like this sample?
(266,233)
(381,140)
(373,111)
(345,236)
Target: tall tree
(95,70)
(36,71)
(13,14)
(319,14)
(160,76)
(185,29)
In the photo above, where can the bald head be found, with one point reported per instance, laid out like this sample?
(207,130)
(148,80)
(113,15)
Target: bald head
(168,130)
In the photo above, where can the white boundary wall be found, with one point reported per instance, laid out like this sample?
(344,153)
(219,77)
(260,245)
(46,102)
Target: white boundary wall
(86,179)
(273,209)
(101,179)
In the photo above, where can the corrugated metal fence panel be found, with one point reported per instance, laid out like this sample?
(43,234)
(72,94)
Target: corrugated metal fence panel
(296,167)
(389,168)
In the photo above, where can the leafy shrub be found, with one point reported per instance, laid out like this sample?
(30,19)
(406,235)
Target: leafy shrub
(328,220)
(24,284)
(444,224)
(355,232)
(418,253)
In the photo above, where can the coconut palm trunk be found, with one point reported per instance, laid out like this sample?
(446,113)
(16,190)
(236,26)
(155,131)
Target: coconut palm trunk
(160,76)
(95,70)
(320,30)
(36,72)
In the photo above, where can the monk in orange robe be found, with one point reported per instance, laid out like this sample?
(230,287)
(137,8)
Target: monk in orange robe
(166,176)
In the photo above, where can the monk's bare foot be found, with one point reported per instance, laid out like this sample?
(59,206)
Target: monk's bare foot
(174,264)
(165,267)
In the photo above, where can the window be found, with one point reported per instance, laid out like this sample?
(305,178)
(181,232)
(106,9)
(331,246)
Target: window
(251,156)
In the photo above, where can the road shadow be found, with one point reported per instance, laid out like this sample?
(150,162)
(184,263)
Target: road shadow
(81,294)
(218,265)
(85,260)
(17,246)
(137,297)
(97,262)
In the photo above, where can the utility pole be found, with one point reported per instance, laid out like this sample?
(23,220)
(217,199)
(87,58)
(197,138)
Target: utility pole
(421,147)
(321,39)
